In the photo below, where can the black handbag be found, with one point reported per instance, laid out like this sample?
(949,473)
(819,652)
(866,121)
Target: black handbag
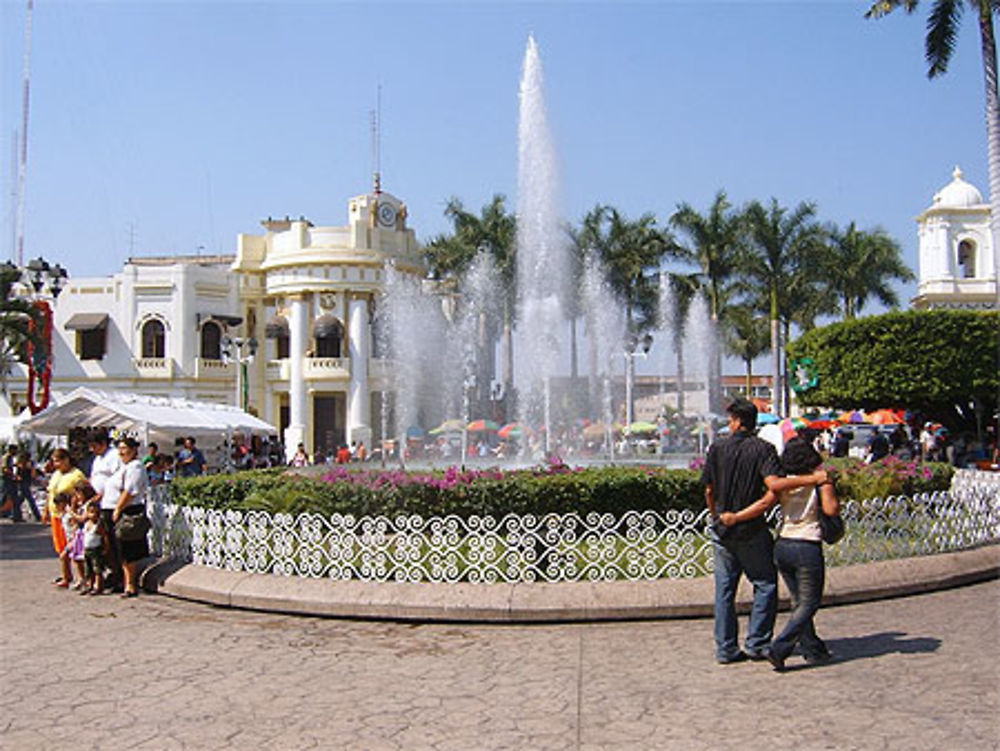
(132,527)
(831,528)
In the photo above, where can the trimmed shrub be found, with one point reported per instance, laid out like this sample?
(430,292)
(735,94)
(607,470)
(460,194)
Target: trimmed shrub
(555,489)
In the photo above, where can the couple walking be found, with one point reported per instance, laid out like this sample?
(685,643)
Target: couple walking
(743,477)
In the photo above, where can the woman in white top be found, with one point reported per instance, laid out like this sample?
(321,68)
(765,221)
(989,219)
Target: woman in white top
(128,486)
(798,551)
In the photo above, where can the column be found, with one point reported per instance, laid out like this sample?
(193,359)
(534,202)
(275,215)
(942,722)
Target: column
(298,325)
(358,395)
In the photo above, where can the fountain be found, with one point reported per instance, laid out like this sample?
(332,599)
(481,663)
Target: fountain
(443,343)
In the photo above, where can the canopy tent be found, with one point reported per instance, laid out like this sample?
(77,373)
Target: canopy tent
(157,418)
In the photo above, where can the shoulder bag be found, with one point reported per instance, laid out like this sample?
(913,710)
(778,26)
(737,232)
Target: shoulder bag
(831,528)
(132,527)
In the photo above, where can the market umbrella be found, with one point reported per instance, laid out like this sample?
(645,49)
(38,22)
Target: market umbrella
(886,417)
(823,424)
(448,426)
(415,431)
(598,429)
(767,418)
(641,426)
(856,416)
(513,430)
(481,426)
(790,426)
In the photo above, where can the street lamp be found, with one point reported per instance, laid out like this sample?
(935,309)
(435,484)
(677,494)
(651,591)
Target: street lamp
(633,342)
(241,351)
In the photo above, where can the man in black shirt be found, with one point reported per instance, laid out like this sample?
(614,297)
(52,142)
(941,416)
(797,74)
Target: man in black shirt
(739,471)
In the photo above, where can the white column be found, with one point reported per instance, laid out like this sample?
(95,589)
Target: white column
(299,330)
(358,395)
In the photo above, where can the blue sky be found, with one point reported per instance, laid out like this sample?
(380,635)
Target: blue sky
(170,126)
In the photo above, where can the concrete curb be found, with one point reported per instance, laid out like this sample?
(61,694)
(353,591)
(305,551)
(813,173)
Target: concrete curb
(543,602)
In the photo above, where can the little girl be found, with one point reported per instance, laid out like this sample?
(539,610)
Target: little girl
(95,543)
(81,496)
(61,503)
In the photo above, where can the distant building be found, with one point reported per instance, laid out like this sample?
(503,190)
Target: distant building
(958,263)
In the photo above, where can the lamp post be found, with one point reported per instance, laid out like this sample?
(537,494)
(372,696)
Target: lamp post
(241,351)
(633,341)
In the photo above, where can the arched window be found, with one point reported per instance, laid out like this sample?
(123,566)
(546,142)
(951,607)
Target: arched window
(967,259)
(211,341)
(277,328)
(154,339)
(329,335)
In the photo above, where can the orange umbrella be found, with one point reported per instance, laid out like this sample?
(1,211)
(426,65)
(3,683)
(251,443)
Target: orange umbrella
(886,417)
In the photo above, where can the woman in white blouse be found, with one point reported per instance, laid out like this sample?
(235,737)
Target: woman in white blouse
(128,485)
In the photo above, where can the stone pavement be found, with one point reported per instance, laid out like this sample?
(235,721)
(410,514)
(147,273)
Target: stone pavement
(919,672)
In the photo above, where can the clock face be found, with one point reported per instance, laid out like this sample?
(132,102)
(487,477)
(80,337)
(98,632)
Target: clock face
(386,215)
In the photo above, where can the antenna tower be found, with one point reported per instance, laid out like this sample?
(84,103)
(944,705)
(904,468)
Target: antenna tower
(23,164)
(376,121)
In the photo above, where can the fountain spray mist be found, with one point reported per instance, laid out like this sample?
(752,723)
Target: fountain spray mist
(542,251)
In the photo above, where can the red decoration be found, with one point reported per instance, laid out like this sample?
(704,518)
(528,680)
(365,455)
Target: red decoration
(40,360)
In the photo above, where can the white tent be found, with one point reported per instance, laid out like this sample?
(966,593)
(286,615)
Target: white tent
(149,418)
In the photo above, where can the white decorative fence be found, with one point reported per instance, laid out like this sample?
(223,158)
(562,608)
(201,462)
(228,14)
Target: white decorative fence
(552,547)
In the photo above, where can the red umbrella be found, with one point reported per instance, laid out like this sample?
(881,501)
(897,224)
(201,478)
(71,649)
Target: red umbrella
(513,430)
(886,417)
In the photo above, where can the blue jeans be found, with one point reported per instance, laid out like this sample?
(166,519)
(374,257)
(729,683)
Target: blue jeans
(801,565)
(754,557)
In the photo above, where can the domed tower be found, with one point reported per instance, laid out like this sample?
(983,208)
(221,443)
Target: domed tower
(957,257)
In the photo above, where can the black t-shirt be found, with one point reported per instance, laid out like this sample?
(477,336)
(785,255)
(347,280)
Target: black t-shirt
(735,468)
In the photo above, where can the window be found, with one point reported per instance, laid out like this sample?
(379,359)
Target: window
(329,335)
(967,259)
(91,344)
(154,339)
(283,348)
(211,341)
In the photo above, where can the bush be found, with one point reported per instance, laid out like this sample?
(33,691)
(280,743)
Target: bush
(553,489)
(853,478)
(557,489)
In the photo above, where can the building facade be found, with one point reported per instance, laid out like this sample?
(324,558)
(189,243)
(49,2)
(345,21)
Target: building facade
(283,328)
(958,263)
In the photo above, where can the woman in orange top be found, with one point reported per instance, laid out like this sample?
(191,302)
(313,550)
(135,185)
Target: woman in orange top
(63,480)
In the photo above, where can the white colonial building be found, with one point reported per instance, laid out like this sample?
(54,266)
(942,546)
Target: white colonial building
(958,263)
(304,294)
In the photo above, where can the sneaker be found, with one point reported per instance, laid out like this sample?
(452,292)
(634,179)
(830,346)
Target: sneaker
(775,660)
(738,657)
(757,655)
(819,659)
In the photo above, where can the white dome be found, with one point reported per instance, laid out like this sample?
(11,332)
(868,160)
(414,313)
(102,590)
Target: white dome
(958,193)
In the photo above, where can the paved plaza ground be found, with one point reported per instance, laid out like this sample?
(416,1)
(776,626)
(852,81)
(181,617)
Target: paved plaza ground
(155,673)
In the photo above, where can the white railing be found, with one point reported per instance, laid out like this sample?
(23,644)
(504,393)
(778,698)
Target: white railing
(552,547)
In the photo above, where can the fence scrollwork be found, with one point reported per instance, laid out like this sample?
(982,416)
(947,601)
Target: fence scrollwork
(638,545)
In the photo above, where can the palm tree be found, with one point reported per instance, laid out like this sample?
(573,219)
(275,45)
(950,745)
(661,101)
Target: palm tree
(716,241)
(449,256)
(776,262)
(861,264)
(746,337)
(683,288)
(939,44)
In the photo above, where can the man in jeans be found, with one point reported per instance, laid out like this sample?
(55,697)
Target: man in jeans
(740,470)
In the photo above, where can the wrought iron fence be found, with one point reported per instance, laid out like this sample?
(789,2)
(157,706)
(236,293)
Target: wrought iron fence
(639,545)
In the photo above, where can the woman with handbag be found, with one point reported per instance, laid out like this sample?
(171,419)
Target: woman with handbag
(798,554)
(128,484)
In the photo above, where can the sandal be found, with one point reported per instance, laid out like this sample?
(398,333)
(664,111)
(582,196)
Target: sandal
(129,595)
(62,584)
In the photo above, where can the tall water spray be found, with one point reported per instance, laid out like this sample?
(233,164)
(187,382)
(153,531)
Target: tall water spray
(605,321)
(542,251)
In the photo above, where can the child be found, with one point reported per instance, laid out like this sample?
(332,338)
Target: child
(81,496)
(95,543)
(61,503)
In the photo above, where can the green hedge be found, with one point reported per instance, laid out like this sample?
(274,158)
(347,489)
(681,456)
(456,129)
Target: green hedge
(360,492)
(608,489)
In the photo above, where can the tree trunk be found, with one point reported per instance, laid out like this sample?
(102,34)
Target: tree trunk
(777,392)
(989,51)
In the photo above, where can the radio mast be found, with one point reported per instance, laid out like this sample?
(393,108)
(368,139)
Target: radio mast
(23,161)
